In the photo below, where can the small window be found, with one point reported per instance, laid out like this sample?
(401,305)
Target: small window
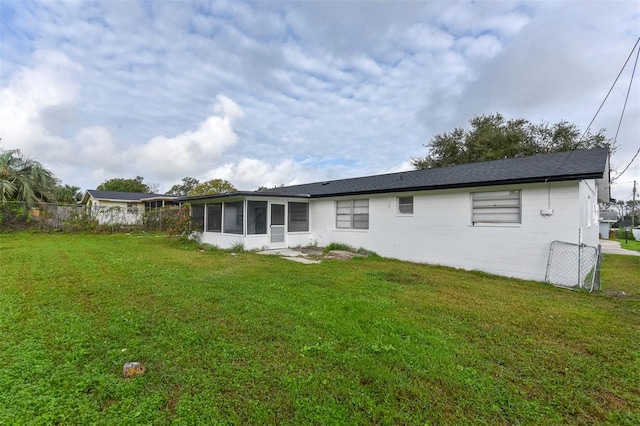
(496,207)
(298,217)
(405,205)
(214,217)
(352,214)
(131,208)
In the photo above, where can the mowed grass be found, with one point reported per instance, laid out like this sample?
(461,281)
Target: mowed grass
(630,244)
(249,339)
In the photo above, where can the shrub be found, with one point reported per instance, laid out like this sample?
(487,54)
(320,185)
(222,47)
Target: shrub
(619,234)
(237,248)
(339,246)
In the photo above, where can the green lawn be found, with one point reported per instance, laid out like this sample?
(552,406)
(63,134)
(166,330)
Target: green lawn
(630,244)
(249,339)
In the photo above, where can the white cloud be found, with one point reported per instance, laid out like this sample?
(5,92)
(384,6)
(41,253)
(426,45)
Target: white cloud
(311,92)
(191,152)
(251,173)
(483,47)
(38,104)
(98,147)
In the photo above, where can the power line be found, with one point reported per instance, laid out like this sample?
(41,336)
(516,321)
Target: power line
(577,144)
(621,115)
(625,169)
(626,99)
(612,86)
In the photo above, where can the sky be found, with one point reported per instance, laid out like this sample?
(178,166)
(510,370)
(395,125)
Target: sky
(266,93)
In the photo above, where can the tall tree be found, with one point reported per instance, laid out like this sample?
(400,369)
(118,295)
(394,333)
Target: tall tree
(213,186)
(125,185)
(68,194)
(23,179)
(187,185)
(492,137)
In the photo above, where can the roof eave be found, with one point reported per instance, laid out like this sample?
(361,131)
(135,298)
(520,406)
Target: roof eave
(239,194)
(464,185)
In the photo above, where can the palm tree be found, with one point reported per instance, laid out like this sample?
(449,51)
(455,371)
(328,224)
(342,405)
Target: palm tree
(25,180)
(68,194)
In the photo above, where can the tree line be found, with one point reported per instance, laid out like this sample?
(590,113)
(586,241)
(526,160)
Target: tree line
(493,137)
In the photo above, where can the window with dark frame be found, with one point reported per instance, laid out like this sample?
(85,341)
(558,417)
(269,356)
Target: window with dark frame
(197,218)
(233,217)
(214,217)
(298,217)
(256,217)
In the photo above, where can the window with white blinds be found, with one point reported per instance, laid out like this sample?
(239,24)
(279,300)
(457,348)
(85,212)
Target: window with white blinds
(352,214)
(496,207)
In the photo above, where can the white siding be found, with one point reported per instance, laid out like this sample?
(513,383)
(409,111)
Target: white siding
(588,196)
(440,229)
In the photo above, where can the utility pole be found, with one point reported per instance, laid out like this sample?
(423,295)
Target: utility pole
(633,207)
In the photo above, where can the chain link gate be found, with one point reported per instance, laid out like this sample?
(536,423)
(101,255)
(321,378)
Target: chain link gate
(573,265)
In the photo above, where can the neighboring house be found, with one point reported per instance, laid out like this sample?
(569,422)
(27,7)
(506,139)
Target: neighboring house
(124,208)
(607,217)
(497,216)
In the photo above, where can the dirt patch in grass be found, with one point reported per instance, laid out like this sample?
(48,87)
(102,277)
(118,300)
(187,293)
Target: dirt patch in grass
(341,254)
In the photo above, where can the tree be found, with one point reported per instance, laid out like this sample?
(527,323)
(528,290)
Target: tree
(23,179)
(125,185)
(68,194)
(188,184)
(213,186)
(493,137)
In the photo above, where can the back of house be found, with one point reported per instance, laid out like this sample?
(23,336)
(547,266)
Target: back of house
(498,216)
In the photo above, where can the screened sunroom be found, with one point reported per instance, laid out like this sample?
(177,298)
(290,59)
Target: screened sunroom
(251,219)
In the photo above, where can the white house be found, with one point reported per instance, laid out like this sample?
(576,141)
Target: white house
(498,216)
(607,217)
(124,208)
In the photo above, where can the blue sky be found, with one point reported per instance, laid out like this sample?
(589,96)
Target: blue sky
(269,93)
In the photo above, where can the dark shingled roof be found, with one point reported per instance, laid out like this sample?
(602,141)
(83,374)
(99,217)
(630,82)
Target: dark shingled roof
(559,166)
(125,196)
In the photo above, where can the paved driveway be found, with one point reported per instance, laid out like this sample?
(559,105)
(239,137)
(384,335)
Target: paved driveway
(613,247)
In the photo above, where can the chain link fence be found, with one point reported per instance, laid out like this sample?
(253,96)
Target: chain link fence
(16,216)
(573,265)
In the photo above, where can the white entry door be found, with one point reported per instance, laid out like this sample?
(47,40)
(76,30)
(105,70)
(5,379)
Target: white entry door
(277,225)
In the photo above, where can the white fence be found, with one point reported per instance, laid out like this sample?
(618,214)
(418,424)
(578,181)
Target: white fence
(17,216)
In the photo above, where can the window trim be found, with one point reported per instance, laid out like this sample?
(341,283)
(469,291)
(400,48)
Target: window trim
(502,203)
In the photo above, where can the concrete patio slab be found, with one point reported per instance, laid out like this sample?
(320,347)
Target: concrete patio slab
(301,260)
(286,252)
